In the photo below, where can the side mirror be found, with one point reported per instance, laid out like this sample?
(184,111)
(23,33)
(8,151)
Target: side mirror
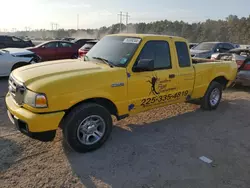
(144,65)
(43,47)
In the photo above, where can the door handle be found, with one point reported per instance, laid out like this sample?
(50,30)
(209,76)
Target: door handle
(171,75)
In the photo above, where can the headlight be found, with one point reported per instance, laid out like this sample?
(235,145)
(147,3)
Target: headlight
(36,100)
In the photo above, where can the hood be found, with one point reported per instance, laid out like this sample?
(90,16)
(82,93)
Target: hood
(192,51)
(31,48)
(36,76)
(17,51)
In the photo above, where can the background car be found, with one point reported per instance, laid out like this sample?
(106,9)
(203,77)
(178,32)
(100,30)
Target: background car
(86,47)
(68,39)
(242,58)
(55,50)
(81,42)
(14,42)
(12,58)
(192,45)
(206,49)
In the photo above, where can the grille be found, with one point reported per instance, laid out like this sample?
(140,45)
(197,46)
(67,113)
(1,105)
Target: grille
(16,90)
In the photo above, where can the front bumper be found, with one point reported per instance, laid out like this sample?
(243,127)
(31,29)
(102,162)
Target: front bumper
(38,126)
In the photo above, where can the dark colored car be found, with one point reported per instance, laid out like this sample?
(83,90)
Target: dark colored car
(206,49)
(81,42)
(55,50)
(68,39)
(192,45)
(86,47)
(13,42)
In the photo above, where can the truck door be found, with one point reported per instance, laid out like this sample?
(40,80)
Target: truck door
(186,74)
(150,89)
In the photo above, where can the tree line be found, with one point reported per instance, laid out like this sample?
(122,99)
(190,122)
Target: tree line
(232,29)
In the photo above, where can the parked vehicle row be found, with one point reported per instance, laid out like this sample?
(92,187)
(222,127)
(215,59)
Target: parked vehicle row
(11,58)
(206,49)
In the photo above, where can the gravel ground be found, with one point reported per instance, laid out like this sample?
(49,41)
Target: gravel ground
(160,148)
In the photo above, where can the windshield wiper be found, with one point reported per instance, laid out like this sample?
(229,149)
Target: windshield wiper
(104,61)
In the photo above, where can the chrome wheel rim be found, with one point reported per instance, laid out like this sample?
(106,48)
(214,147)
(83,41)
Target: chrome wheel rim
(214,97)
(91,130)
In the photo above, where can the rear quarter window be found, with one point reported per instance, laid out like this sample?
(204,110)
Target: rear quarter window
(183,55)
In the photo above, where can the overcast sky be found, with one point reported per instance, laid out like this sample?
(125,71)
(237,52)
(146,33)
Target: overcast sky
(39,14)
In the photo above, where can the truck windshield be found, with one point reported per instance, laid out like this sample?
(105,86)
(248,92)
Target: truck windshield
(205,46)
(118,50)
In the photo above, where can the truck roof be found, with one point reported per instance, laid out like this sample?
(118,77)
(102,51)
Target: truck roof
(146,35)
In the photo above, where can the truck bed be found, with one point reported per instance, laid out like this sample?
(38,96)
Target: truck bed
(206,70)
(201,60)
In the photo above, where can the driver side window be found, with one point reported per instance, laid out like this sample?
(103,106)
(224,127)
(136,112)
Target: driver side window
(51,45)
(16,39)
(159,52)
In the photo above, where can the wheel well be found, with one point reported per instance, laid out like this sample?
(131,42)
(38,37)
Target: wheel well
(19,63)
(222,80)
(109,105)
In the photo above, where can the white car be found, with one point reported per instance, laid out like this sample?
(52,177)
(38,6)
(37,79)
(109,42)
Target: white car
(12,58)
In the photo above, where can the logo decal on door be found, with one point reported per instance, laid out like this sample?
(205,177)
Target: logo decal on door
(158,86)
(153,81)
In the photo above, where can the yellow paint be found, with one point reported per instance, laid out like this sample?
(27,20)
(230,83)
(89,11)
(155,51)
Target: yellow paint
(36,122)
(68,82)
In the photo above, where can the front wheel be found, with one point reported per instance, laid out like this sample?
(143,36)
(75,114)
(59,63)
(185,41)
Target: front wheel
(212,98)
(87,127)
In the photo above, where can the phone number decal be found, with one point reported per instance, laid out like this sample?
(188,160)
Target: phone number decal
(162,99)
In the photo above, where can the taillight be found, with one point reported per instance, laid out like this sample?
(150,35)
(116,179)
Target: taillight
(246,66)
(239,62)
(82,53)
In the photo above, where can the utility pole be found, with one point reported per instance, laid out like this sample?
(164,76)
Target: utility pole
(120,21)
(77,25)
(127,16)
(121,16)
(56,25)
(52,26)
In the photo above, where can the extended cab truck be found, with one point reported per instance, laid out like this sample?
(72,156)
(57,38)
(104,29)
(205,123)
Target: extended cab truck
(121,75)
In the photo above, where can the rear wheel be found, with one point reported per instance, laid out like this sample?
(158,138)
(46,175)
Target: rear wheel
(87,127)
(212,98)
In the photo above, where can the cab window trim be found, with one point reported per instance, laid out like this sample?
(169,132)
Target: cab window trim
(155,69)
(190,59)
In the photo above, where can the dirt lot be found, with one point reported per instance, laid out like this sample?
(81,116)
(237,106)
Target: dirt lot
(158,149)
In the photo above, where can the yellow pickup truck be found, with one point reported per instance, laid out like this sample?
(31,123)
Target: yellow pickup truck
(121,75)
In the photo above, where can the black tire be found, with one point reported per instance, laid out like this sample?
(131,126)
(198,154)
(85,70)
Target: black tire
(18,65)
(206,103)
(75,56)
(73,120)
